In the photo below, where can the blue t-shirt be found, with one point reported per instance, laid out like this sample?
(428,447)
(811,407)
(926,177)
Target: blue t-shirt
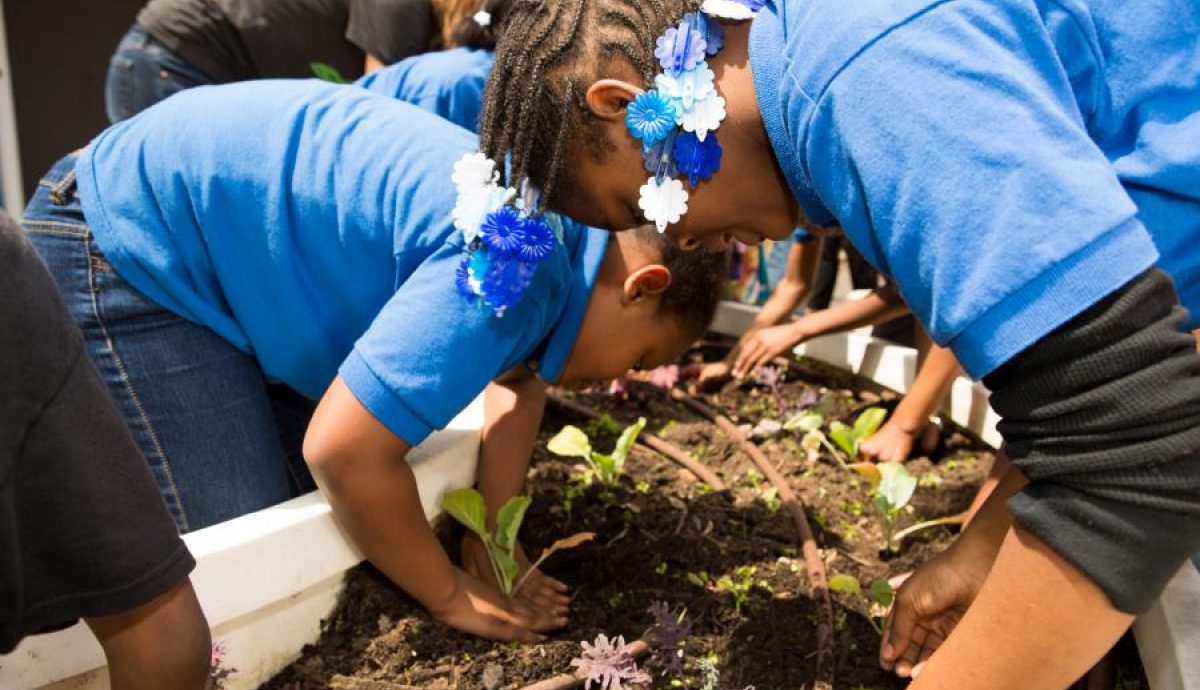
(1008,162)
(309,224)
(447,82)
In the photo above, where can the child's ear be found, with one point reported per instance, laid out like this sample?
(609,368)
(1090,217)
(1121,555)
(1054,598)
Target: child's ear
(647,281)
(607,98)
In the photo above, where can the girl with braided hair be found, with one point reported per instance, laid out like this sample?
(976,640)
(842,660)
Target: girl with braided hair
(1026,171)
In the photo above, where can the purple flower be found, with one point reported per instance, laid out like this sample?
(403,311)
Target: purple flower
(609,665)
(650,117)
(669,634)
(697,159)
(680,48)
(714,35)
(535,240)
(500,230)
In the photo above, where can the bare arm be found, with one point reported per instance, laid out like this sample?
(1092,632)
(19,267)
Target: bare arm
(371,64)
(794,287)
(893,442)
(760,347)
(361,468)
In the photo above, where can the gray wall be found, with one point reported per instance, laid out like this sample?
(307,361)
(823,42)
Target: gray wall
(59,51)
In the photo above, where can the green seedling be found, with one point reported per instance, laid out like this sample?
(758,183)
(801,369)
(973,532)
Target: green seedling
(850,439)
(892,488)
(805,421)
(769,494)
(738,585)
(878,596)
(326,72)
(467,506)
(572,442)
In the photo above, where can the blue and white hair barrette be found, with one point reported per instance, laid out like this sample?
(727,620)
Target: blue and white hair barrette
(504,245)
(677,120)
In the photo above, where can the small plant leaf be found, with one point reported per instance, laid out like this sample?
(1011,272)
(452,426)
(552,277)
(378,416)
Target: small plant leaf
(508,521)
(606,467)
(804,422)
(560,545)
(844,583)
(572,443)
(467,506)
(867,470)
(896,485)
(868,423)
(626,441)
(326,72)
(844,437)
(881,592)
(507,565)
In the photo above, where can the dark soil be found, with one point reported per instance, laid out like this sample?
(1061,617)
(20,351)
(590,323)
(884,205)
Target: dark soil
(662,536)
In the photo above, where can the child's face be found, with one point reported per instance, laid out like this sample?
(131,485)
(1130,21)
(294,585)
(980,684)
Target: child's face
(608,347)
(747,198)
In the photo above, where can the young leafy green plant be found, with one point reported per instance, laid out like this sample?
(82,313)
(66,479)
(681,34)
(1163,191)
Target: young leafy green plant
(467,506)
(849,439)
(572,442)
(326,72)
(878,596)
(892,488)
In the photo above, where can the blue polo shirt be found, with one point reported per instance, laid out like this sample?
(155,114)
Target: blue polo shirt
(309,225)
(1008,162)
(447,82)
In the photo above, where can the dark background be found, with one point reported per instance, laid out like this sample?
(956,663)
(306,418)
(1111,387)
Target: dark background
(58,53)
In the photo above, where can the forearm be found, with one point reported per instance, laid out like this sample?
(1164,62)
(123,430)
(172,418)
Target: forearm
(512,416)
(872,309)
(1037,624)
(932,384)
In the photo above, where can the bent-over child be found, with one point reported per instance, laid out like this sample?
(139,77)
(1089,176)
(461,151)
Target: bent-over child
(237,252)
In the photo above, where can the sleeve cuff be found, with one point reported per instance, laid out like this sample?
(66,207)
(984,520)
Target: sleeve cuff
(383,405)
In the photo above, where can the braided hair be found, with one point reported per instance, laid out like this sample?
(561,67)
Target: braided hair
(549,53)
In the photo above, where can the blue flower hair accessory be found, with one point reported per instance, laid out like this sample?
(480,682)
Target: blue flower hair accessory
(503,244)
(676,120)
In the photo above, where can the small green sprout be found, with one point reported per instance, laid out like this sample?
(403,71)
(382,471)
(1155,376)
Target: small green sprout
(878,595)
(849,439)
(467,506)
(571,441)
(892,488)
(738,585)
(769,494)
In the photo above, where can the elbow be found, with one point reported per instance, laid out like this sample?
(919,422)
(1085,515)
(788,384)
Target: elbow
(326,458)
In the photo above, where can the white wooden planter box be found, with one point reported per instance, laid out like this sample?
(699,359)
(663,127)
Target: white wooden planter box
(265,580)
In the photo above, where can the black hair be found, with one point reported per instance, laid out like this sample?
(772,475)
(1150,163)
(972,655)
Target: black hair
(697,278)
(468,33)
(549,53)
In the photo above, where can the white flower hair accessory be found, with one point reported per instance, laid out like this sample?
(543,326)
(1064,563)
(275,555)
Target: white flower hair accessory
(483,18)
(677,120)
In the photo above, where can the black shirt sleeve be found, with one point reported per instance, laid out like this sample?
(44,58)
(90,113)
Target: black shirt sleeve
(1103,417)
(391,30)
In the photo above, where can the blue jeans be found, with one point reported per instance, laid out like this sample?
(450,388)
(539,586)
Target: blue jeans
(143,72)
(220,440)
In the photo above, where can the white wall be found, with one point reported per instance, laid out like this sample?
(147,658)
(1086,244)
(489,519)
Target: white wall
(11,188)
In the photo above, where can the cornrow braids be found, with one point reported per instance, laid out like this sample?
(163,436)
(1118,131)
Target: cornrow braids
(549,53)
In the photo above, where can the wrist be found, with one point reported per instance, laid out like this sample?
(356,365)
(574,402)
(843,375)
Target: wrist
(441,604)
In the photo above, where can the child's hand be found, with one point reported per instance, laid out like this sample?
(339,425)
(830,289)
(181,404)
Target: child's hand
(708,374)
(762,346)
(890,443)
(480,610)
(540,591)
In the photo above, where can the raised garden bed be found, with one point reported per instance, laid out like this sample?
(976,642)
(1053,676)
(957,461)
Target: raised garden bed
(731,559)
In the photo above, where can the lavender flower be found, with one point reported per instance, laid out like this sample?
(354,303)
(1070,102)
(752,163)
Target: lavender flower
(770,377)
(669,634)
(680,48)
(609,665)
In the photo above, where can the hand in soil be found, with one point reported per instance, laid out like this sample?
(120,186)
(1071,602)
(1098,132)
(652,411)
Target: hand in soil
(890,444)
(709,375)
(539,592)
(762,346)
(926,609)
(480,610)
